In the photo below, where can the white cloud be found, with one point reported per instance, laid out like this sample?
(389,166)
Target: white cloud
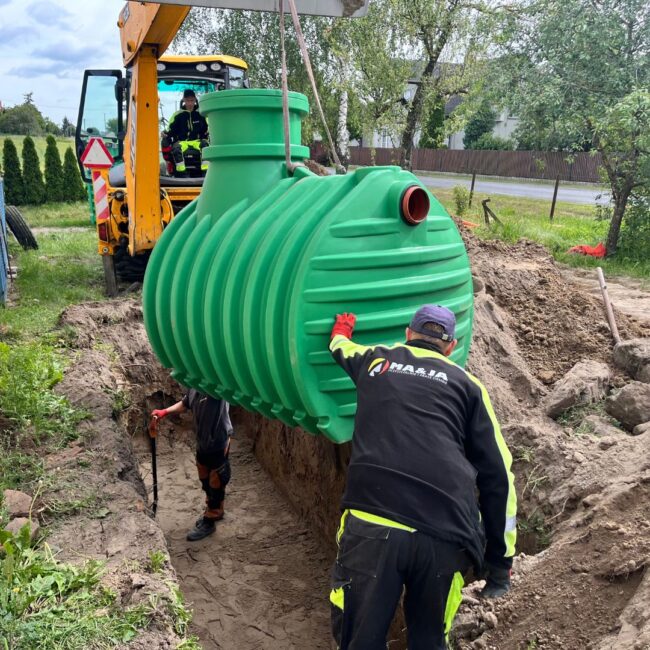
(45,46)
(49,13)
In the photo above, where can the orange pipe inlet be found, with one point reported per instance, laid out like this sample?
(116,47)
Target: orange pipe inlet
(415,205)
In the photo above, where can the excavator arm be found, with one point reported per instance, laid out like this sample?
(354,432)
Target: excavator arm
(146,31)
(151,23)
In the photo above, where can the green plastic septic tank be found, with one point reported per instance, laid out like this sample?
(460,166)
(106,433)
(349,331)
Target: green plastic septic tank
(242,288)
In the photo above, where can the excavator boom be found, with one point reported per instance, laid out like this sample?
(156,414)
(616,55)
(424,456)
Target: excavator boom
(151,23)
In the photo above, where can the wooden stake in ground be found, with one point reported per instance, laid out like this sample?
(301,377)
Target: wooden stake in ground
(608,307)
(557,185)
(488,213)
(471,189)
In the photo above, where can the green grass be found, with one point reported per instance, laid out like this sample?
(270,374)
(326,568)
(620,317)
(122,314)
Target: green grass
(536,532)
(65,270)
(573,224)
(45,603)
(157,561)
(34,416)
(56,215)
(39,141)
(48,604)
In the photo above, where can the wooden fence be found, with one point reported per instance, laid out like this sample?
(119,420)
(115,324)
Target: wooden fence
(582,167)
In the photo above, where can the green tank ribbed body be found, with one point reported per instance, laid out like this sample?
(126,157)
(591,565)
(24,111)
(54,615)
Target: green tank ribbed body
(242,288)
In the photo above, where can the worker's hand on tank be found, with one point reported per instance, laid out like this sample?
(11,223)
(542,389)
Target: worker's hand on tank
(159,414)
(344,324)
(497,582)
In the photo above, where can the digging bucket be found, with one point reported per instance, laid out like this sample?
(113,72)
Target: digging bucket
(242,288)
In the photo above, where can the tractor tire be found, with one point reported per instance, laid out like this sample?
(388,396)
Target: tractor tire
(19,228)
(130,269)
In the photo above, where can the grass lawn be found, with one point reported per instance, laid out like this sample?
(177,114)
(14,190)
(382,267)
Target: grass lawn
(56,214)
(46,603)
(572,225)
(65,270)
(39,141)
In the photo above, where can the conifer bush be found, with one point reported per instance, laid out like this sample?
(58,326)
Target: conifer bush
(13,178)
(74,189)
(53,171)
(34,187)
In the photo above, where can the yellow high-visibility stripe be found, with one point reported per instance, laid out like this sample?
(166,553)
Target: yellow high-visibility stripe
(339,341)
(510,532)
(453,601)
(380,521)
(339,532)
(337,598)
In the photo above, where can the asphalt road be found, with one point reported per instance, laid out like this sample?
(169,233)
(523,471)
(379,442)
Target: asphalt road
(571,194)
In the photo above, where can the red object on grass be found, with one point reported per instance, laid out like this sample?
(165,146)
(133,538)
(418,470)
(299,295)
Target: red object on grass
(594,251)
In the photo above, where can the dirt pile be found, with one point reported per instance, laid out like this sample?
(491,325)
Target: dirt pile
(585,494)
(98,477)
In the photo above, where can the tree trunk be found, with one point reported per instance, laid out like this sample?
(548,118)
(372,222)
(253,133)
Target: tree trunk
(343,135)
(620,203)
(414,115)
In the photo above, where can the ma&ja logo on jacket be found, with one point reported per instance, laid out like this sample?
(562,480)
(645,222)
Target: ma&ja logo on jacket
(378,367)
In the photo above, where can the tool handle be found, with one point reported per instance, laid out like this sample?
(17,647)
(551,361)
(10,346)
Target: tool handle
(153,427)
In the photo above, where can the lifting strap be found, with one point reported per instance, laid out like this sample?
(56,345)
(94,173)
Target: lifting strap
(285,88)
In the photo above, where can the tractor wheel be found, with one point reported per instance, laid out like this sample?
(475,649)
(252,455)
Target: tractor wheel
(128,268)
(19,228)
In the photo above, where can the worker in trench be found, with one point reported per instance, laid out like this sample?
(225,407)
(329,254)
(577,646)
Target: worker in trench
(429,491)
(213,432)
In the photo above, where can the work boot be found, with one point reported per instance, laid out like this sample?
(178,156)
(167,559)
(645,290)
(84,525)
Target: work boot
(202,528)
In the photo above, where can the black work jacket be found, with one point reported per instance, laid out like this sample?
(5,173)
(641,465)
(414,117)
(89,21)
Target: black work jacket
(425,439)
(187,125)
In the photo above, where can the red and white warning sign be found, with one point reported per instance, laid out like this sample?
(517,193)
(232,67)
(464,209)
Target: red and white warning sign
(96,155)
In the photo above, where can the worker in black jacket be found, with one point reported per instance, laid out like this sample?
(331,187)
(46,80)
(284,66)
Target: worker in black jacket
(213,432)
(426,443)
(187,132)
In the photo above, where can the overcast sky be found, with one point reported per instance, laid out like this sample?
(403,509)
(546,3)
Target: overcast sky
(45,45)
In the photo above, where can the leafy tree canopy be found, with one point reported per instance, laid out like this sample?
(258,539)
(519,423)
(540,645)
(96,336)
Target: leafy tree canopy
(577,72)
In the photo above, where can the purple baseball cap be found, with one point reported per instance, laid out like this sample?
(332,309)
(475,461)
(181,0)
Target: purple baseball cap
(434,314)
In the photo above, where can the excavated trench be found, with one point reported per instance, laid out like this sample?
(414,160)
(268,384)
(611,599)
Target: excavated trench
(261,581)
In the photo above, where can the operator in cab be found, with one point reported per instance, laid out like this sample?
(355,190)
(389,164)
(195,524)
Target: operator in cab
(187,135)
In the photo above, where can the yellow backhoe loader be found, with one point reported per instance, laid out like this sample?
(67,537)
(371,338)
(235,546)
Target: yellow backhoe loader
(129,110)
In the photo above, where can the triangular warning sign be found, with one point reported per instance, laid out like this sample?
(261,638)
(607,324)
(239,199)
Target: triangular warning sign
(96,155)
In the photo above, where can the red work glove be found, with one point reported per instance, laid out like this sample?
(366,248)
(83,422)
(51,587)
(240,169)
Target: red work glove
(159,414)
(344,325)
